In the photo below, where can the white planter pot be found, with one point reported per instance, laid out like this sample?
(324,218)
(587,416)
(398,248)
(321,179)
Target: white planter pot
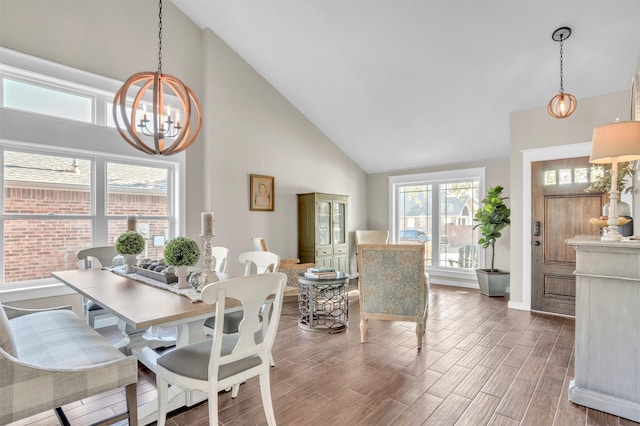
(130,260)
(181,273)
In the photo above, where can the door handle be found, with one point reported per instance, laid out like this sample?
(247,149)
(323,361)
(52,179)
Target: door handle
(536,228)
(536,243)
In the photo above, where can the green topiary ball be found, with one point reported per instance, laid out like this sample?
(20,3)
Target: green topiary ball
(130,242)
(181,251)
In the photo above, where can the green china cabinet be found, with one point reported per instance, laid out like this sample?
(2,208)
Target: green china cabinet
(322,230)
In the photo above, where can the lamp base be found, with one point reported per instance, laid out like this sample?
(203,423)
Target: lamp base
(611,235)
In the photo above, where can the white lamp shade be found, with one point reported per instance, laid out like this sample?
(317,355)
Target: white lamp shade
(619,140)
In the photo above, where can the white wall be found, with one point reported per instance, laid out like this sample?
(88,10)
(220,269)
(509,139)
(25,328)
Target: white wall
(248,126)
(497,173)
(529,130)
(536,129)
(252,129)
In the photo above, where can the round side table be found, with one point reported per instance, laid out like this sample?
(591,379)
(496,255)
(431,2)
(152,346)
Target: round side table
(323,303)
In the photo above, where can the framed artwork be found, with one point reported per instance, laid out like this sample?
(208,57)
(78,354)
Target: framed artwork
(261,193)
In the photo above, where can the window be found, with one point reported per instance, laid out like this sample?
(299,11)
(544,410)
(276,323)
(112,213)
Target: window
(50,208)
(68,182)
(140,191)
(46,100)
(437,210)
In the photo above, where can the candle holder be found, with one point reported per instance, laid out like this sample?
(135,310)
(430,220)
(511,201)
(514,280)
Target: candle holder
(208,275)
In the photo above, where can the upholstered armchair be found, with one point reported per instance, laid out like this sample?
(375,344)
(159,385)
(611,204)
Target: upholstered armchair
(393,286)
(369,236)
(52,358)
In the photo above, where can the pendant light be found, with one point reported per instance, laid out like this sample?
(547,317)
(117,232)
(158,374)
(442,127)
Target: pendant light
(164,117)
(563,104)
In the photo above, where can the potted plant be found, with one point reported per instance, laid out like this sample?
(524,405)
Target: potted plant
(603,182)
(624,186)
(181,252)
(492,217)
(129,245)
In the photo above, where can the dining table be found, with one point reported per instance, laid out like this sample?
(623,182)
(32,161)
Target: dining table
(140,306)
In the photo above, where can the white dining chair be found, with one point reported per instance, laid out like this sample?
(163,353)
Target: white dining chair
(221,255)
(259,244)
(255,262)
(259,262)
(226,360)
(95,257)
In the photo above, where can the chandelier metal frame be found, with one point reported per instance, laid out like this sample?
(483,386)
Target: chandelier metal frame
(136,129)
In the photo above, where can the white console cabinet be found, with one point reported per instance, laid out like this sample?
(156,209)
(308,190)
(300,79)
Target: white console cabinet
(607,352)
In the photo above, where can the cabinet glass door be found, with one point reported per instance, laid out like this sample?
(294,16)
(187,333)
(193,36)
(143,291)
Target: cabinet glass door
(324,223)
(339,232)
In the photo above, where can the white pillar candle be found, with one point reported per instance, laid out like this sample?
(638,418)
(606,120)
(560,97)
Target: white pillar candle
(206,223)
(131,223)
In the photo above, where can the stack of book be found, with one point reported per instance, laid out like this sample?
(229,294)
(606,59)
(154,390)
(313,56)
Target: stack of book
(321,272)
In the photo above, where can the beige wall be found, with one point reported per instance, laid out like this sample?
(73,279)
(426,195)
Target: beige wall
(252,129)
(532,129)
(497,173)
(248,126)
(535,129)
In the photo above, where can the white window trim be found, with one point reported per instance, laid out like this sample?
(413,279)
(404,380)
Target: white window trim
(448,276)
(174,173)
(26,131)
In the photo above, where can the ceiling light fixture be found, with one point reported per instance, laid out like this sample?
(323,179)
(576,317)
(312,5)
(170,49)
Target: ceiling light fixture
(563,104)
(159,131)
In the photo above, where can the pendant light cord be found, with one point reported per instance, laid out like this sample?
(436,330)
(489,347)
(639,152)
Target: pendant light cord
(160,39)
(561,74)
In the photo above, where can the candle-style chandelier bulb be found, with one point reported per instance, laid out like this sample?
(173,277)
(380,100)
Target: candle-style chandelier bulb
(563,104)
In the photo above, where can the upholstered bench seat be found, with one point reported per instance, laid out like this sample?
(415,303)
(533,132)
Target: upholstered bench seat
(52,358)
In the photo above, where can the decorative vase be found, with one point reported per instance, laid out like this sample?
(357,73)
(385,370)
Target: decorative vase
(624,210)
(181,273)
(130,260)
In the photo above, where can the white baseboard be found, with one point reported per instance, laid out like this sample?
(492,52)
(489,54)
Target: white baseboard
(518,305)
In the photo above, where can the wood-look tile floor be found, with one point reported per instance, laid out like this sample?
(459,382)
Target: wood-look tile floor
(483,364)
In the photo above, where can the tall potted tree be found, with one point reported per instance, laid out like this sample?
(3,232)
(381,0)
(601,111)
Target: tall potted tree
(492,217)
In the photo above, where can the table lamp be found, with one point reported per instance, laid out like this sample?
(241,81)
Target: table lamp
(613,143)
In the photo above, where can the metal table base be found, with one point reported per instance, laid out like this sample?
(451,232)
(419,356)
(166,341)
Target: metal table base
(323,304)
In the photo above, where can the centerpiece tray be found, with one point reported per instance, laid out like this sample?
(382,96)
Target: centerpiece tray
(158,276)
(603,222)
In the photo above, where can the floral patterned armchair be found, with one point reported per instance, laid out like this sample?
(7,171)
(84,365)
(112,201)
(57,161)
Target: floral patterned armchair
(393,286)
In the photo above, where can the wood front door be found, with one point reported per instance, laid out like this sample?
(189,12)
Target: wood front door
(561,209)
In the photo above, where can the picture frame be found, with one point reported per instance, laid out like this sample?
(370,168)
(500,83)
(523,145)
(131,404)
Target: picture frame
(261,193)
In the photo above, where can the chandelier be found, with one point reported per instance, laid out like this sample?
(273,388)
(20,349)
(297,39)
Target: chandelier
(563,104)
(164,117)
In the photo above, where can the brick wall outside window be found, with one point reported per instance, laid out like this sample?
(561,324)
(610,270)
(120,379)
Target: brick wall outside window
(34,248)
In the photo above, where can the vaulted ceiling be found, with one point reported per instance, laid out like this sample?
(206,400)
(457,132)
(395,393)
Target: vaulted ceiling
(406,84)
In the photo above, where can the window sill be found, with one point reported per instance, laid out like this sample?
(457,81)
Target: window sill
(50,288)
(458,278)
